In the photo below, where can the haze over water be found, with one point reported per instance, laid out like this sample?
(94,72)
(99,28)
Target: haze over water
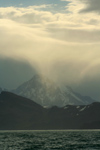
(50,140)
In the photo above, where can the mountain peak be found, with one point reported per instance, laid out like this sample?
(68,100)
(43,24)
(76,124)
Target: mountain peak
(37,77)
(47,93)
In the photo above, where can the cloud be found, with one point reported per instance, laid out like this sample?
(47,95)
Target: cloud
(91,6)
(83,6)
(14,72)
(27,15)
(64,46)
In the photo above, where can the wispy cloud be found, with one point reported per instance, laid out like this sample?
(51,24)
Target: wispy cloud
(64,46)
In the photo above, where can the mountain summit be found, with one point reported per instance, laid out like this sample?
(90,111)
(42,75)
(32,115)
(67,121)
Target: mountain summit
(47,93)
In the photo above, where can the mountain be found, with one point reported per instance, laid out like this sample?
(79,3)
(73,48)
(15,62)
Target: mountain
(47,93)
(19,113)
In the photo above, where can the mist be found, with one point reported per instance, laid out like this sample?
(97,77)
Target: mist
(62,46)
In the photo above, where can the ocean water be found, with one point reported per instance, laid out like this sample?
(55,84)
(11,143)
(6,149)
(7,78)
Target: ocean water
(49,140)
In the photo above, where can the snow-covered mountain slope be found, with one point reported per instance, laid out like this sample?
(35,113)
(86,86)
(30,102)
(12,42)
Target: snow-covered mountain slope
(47,93)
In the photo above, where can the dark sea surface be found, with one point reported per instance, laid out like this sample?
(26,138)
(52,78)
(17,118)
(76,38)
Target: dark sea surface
(50,140)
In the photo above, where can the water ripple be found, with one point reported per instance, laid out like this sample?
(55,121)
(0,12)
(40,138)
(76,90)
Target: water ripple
(49,140)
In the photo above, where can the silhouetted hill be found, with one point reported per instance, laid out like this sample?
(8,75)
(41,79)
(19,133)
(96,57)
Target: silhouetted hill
(19,113)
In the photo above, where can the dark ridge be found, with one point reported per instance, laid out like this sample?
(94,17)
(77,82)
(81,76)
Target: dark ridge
(19,113)
(11,97)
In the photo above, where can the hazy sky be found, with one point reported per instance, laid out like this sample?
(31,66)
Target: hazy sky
(59,38)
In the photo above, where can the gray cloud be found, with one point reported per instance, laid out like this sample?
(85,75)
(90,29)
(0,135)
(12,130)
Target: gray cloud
(90,83)
(89,86)
(91,6)
(14,72)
